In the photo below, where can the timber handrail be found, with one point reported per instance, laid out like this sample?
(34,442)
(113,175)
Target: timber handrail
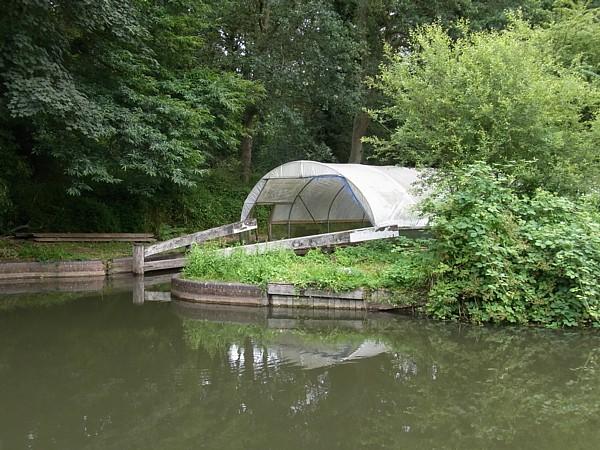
(321,240)
(140,252)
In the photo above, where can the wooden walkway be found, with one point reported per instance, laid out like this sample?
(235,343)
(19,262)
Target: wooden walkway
(141,252)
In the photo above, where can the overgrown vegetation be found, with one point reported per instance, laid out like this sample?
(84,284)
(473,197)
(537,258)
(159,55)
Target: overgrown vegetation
(400,265)
(497,255)
(505,257)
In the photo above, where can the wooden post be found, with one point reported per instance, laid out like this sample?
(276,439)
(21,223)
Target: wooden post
(138,259)
(138,290)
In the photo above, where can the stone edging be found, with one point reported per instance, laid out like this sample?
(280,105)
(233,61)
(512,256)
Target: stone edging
(277,294)
(59,269)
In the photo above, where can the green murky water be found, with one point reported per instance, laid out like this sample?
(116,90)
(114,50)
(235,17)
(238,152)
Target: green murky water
(95,371)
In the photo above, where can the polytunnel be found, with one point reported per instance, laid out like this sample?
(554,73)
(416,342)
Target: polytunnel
(324,193)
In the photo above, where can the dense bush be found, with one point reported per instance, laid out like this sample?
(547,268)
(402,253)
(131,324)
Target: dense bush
(500,257)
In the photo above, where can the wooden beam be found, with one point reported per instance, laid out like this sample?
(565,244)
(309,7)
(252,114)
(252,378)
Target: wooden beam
(164,264)
(95,235)
(201,236)
(64,239)
(88,237)
(320,240)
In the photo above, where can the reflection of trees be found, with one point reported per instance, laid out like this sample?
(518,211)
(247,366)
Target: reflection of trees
(104,374)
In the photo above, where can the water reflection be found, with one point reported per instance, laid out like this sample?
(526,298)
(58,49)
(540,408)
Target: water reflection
(306,338)
(97,372)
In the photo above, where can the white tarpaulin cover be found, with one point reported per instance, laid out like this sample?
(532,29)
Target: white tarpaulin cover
(309,191)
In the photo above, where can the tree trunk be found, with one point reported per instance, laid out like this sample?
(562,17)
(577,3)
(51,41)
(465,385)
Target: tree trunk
(359,129)
(246,144)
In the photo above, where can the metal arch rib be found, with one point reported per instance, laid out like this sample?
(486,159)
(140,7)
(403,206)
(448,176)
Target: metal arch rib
(294,202)
(344,184)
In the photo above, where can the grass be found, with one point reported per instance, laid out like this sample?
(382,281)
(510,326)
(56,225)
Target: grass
(12,250)
(399,265)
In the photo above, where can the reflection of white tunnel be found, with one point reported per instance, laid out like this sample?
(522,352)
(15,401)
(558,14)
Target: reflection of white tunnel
(288,347)
(293,349)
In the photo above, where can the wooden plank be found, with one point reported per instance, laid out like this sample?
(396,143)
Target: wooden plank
(164,264)
(44,239)
(52,269)
(201,236)
(93,235)
(320,240)
(88,237)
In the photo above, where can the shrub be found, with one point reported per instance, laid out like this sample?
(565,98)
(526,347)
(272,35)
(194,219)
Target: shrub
(500,257)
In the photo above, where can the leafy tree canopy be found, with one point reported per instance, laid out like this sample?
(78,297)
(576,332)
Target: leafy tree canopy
(499,97)
(114,91)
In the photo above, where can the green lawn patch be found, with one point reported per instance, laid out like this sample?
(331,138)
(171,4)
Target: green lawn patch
(12,250)
(398,265)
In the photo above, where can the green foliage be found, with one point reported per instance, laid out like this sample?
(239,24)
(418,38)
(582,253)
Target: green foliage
(501,257)
(128,104)
(115,92)
(5,206)
(216,201)
(305,55)
(492,96)
(574,36)
(398,265)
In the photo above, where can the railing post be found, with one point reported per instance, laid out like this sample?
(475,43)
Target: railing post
(138,259)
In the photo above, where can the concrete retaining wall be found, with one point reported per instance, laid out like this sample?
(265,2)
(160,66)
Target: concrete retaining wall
(280,295)
(52,269)
(60,269)
(220,293)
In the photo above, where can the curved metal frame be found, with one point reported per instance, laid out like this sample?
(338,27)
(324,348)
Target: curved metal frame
(294,202)
(344,184)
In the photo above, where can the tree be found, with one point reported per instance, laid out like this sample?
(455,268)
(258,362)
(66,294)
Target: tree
(494,96)
(304,55)
(115,93)
(391,22)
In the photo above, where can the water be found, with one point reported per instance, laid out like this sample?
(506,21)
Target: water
(95,371)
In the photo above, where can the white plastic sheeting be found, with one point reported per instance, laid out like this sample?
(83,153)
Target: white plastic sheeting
(309,191)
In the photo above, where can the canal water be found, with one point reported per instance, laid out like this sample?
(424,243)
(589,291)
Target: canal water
(96,371)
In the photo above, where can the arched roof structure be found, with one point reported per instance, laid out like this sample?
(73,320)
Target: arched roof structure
(310,191)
